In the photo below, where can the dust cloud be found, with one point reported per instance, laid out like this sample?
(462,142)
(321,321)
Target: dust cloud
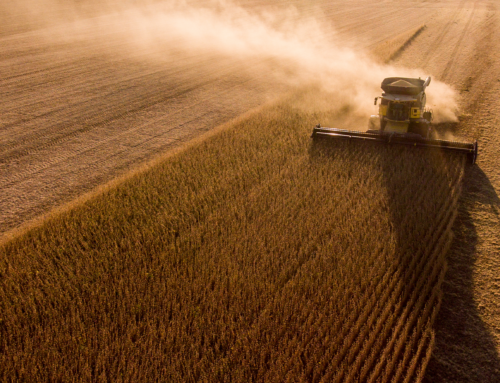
(297,50)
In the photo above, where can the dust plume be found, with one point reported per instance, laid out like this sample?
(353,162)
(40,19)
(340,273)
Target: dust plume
(301,50)
(297,50)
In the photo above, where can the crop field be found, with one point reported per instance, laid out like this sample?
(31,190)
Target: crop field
(247,253)
(241,258)
(80,108)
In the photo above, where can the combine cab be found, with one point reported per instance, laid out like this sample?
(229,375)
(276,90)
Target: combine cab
(402,119)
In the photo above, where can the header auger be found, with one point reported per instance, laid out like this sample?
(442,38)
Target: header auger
(402,119)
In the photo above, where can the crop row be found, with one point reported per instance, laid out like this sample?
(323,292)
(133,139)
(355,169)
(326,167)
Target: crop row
(252,255)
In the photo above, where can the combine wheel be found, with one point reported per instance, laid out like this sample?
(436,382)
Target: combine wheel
(428,116)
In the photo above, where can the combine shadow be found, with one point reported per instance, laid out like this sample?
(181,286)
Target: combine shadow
(465,348)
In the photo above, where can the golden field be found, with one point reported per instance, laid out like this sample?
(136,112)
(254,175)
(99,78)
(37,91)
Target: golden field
(248,253)
(249,256)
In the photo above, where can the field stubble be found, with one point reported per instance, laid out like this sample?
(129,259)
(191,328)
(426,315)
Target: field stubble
(249,256)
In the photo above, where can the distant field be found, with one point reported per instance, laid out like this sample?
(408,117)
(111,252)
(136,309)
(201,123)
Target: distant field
(251,255)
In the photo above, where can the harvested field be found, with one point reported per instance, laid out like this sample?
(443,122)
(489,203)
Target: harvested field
(248,254)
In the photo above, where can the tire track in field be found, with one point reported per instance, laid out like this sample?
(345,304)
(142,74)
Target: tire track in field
(78,66)
(73,58)
(451,62)
(25,149)
(428,55)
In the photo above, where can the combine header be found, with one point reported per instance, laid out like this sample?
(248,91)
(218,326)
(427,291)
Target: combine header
(402,119)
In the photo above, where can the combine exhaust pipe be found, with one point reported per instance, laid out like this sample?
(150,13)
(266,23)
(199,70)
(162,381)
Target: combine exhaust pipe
(469,148)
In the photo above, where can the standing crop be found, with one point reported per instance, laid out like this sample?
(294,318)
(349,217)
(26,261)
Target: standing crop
(249,256)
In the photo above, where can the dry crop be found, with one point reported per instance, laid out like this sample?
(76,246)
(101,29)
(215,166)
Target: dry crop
(249,256)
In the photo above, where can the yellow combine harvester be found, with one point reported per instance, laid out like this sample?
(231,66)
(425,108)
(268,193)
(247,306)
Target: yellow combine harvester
(402,119)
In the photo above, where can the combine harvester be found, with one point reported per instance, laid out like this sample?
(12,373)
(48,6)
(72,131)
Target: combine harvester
(402,119)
